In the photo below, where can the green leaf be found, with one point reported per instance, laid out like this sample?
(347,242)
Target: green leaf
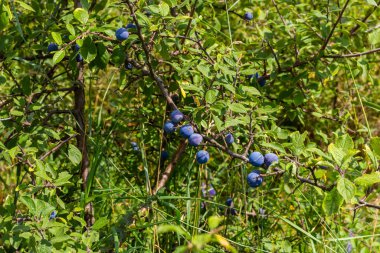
(375,145)
(368,179)
(211,96)
(62,238)
(371,105)
(81,15)
(332,202)
(52,133)
(71,29)
(164,9)
(204,69)
(214,221)
(237,107)
(25,6)
(29,202)
(43,208)
(336,153)
(57,38)
(75,155)
(275,146)
(142,19)
(63,178)
(99,223)
(346,188)
(298,142)
(218,123)
(374,37)
(251,91)
(88,49)
(172,228)
(344,142)
(4,20)
(58,56)
(371,2)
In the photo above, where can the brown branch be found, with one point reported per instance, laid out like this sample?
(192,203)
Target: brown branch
(190,20)
(352,55)
(51,113)
(225,149)
(275,55)
(170,168)
(153,75)
(363,203)
(334,26)
(278,12)
(369,13)
(60,144)
(312,182)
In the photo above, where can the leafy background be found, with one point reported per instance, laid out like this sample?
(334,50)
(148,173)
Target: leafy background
(60,119)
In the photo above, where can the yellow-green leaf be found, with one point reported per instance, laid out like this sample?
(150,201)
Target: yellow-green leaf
(58,56)
(81,15)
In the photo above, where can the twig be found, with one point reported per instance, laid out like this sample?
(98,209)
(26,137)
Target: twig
(334,26)
(154,76)
(190,20)
(225,149)
(363,203)
(169,169)
(60,144)
(369,13)
(278,12)
(352,55)
(275,56)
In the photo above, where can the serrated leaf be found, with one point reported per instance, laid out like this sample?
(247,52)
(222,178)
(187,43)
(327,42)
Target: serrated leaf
(344,142)
(172,228)
(251,90)
(298,142)
(372,156)
(42,174)
(346,188)
(15,112)
(58,239)
(142,19)
(29,202)
(218,123)
(43,208)
(63,178)
(375,145)
(336,153)
(58,56)
(52,133)
(75,155)
(237,107)
(71,29)
(371,105)
(214,221)
(211,96)
(332,202)
(204,69)
(275,146)
(164,9)
(368,179)
(25,6)
(88,49)
(371,2)
(81,15)
(57,38)
(99,223)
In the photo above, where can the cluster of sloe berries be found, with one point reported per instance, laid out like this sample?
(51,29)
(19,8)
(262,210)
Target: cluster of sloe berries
(257,159)
(186,131)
